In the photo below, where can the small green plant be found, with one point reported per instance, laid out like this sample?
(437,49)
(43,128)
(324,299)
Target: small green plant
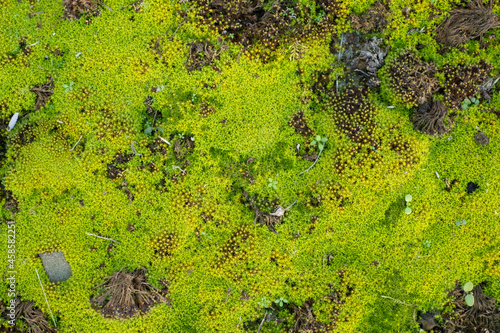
(427,243)
(280,301)
(408,198)
(272,183)
(264,302)
(469,297)
(320,141)
(69,87)
(468,102)
(459,223)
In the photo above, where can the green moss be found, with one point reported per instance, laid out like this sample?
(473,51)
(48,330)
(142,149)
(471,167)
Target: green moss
(189,224)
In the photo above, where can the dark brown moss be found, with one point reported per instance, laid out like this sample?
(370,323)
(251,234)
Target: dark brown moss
(431,118)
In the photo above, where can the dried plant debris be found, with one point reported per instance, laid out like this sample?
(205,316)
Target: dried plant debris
(124,295)
(43,93)
(372,20)
(464,81)
(304,318)
(33,318)
(203,54)
(431,118)
(467,23)
(411,79)
(362,56)
(482,316)
(486,88)
(261,217)
(74,9)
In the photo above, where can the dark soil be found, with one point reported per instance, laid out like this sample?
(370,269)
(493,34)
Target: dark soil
(113,171)
(124,295)
(481,138)
(74,9)
(299,123)
(183,147)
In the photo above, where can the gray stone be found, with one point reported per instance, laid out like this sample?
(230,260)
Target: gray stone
(56,266)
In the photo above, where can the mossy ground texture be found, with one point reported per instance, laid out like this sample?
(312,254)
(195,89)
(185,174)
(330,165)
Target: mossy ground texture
(94,158)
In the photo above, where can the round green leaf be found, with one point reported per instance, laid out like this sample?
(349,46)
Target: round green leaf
(408,197)
(325,139)
(408,210)
(469,300)
(313,143)
(318,138)
(270,180)
(468,287)
(320,146)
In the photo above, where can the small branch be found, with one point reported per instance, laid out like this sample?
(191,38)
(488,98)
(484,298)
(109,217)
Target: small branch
(313,163)
(41,285)
(262,322)
(168,143)
(102,4)
(180,25)
(359,70)
(293,203)
(238,323)
(323,265)
(76,143)
(88,233)
(397,301)
(32,44)
(133,149)
(176,167)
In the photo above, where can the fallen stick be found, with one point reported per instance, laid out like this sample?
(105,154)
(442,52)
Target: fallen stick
(41,285)
(88,233)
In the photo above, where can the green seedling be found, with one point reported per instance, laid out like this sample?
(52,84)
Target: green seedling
(272,183)
(280,301)
(469,298)
(408,198)
(69,87)
(459,223)
(264,302)
(427,243)
(320,141)
(468,102)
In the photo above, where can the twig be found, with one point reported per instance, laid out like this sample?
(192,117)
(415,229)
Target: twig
(176,167)
(41,68)
(76,143)
(262,322)
(32,44)
(323,265)
(168,143)
(133,149)
(238,323)
(102,3)
(41,285)
(398,301)
(312,164)
(88,233)
(359,70)
(180,25)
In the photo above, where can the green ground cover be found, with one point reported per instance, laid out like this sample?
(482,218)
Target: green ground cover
(194,212)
